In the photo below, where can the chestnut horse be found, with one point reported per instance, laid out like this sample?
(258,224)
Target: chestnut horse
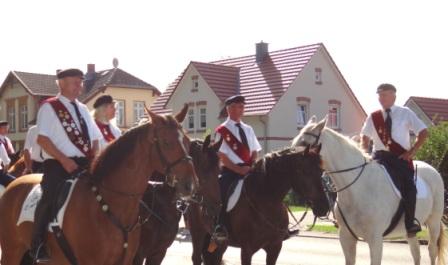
(162,217)
(259,220)
(120,174)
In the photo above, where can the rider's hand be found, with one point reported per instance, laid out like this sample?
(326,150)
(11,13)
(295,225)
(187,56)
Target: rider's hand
(408,155)
(69,165)
(244,170)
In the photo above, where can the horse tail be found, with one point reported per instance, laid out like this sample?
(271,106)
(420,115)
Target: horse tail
(442,244)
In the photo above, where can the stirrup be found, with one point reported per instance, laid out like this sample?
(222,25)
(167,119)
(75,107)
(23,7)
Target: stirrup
(40,255)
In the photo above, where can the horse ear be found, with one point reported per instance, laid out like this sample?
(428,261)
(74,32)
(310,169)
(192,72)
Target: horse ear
(320,126)
(180,117)
(313,119)
(155,118)
(206,143)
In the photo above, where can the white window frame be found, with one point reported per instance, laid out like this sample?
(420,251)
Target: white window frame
(23,117)
(11,114)
(202,115)
(334,117)
(138,110)
(303,109)
(190,118)
(120,113)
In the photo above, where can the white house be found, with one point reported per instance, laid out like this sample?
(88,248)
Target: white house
(282,89)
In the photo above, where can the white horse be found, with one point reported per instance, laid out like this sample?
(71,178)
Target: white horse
(368,201)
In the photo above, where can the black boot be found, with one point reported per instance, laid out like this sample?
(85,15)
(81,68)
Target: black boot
(220,233)
(38,251)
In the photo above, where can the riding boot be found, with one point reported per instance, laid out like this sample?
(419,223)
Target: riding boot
(38,250)
(412,225)
(220,233)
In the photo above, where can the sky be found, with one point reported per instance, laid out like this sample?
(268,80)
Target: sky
(401,42)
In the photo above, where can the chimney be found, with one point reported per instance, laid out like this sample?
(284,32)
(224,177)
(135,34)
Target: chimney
(90,76)
(261,51)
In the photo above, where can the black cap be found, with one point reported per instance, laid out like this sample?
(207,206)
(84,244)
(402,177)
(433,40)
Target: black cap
(385,87)
(71,72)
(3,123)
(235,99)
(103,100)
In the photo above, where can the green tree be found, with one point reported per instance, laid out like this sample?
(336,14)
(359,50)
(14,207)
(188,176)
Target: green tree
(435,146)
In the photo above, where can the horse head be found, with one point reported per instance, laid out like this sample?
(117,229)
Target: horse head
(308,180)
(172,150)
(310,135)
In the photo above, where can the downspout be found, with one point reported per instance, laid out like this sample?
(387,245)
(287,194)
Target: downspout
(263,120)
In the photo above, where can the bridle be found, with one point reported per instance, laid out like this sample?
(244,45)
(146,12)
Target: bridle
(168,165)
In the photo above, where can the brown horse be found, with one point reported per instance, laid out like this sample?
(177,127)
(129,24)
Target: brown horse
(162,217)
(120,175)
(259,220)
(16,169)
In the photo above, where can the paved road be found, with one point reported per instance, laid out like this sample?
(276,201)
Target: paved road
(305,251)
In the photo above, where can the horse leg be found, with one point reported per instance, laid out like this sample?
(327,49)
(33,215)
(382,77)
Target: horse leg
(11,255)
(376,249)
(272,252)
(415,249)
(246,256)
(435,231)
(199,240)
(348,244)
(156,259)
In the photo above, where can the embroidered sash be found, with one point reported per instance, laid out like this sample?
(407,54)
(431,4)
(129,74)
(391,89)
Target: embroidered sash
(106,131)
(385,136)
(237,147)
(71,129)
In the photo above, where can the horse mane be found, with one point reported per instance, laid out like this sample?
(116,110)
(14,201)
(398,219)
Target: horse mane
(113,155)
(346,141)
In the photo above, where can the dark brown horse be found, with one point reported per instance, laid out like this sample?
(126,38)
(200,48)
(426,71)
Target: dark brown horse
(259,220)
(162,217)
(120,174)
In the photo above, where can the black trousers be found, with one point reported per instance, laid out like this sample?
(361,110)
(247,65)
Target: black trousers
(402,172)
(5,178)
(52,181)
(37,167)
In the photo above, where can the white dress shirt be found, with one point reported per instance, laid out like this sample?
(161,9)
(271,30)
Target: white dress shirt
(252,140)
(49,125)
(31,144)
(4,138)
(404,120)
(4,158)
(115,131)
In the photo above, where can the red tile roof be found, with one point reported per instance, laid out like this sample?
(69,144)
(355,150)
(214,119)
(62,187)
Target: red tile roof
(262,84)
(435,108)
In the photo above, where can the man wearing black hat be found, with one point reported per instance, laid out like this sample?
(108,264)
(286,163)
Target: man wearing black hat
(68,137)
(389,129)
(238,150)
(104,112)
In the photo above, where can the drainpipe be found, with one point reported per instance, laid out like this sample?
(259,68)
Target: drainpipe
(263,120)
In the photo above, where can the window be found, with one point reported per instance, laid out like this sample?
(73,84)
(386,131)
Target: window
(334,115)
(195,84)
(202,118)
(302,114)
(318,76)
(23,118)
(11,115)
(139,110)
(190,119)
(119,113)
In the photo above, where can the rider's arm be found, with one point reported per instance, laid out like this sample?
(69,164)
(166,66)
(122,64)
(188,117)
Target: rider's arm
(242,170)
(27,159)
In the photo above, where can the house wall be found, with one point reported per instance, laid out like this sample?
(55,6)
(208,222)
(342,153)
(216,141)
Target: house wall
(204,96)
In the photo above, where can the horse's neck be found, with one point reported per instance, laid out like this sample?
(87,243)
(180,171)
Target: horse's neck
(338,155)
(271,185)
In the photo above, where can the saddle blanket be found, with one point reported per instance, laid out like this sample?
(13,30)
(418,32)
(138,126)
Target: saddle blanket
(30,203)
(235,196)
(421,185)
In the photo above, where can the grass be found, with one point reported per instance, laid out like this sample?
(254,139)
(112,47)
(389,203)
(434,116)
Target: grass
(296,208)
(330,229)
